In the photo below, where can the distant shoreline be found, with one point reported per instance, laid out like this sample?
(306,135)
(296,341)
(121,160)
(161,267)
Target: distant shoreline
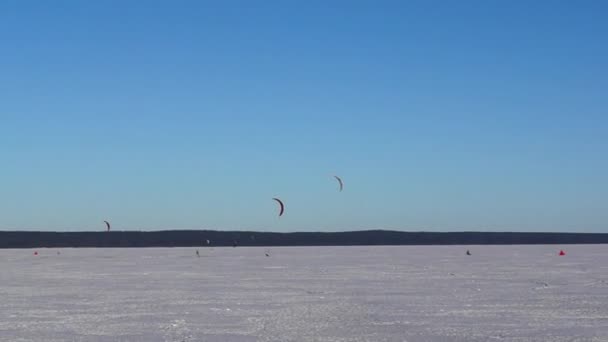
(198,238)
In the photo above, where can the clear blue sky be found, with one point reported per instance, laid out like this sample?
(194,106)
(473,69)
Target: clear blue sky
(439,115)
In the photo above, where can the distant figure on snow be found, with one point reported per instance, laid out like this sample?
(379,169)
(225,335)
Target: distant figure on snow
(468,252)
(198,254)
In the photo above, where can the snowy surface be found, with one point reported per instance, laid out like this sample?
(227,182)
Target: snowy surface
(417,293)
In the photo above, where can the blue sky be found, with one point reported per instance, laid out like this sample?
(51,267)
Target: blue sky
(438,115)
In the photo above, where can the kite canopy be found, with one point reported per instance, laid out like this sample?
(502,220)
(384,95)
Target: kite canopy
(281,206)
(339,182)
(107,225)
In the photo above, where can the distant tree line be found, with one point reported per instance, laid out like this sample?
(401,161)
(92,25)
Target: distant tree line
(192,238)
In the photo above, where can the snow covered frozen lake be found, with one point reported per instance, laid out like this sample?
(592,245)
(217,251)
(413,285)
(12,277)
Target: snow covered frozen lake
(396,294)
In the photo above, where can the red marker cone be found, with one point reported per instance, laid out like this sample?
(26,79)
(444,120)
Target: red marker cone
(561,252)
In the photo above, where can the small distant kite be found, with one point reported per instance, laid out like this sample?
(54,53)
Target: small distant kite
(107,225)
(340,183)
(208,242)
(281,206)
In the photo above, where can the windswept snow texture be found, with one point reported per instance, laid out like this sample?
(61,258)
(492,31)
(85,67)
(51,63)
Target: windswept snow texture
(413,293)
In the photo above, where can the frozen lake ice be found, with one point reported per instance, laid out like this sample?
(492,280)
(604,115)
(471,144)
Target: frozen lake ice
(372,293)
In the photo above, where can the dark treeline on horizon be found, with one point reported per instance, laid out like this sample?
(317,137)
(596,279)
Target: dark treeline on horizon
(198,238)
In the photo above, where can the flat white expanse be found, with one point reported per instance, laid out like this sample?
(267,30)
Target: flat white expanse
(417,293)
